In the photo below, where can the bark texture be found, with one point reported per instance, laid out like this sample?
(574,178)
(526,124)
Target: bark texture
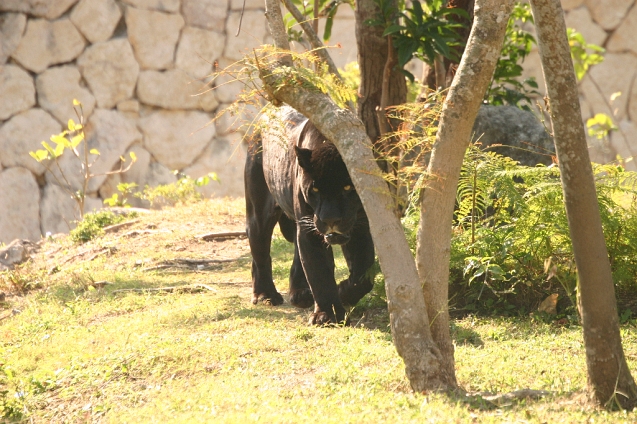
(372,56)
(408,316)
(608,374)
(454,134)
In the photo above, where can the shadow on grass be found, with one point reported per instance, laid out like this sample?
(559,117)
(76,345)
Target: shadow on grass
(485,401)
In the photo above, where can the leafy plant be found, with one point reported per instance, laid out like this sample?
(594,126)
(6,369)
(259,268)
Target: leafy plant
(327,9)
(73,139)
(510,223)
(584,55)
(423,31)
(184,190)
(506,87)
(92,225)
(125,189)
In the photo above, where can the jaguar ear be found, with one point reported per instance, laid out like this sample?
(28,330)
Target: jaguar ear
(304,157)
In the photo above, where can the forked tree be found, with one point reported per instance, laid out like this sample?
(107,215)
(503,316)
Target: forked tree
(420,326)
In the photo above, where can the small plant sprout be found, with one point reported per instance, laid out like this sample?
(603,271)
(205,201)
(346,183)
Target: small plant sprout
(71,140)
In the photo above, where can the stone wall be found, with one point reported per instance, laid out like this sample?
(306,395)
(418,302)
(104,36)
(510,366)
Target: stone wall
(135,65)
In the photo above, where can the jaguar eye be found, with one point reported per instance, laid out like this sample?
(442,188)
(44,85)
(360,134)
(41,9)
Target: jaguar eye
(347,187)
(315,190)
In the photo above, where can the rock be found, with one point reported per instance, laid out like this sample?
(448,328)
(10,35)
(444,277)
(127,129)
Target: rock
(57,87)
(610,81)
(111,134)
(18,91)
(96,19)
(237,47)
(153,36)
(198,50)
(571,4)
(60,212)
(176,138)
(128,106)
(581,20)
(227,88)
(510,126)
(594,100)
(160,5)
(15,253)
(49,9)
(24,133)
(234,118)
(110,71)
(609,13)
(174,89)
(207,14)
(624,38)
(227,160)
(19,203)
(48,43)
(249,4)
(11,29)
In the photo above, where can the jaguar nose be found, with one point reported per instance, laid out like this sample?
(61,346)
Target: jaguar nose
(332,223)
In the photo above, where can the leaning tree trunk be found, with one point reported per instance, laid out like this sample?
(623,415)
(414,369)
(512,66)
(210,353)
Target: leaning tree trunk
(408,316)
(454,133)
(608,374)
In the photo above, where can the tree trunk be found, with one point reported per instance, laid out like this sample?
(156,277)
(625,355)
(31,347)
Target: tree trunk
(454,134)
(372,56)
(608,375)
(408,316)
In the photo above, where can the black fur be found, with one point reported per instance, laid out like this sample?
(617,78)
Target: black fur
(295,177)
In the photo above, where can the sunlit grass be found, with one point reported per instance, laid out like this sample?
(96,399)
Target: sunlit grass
(75,353)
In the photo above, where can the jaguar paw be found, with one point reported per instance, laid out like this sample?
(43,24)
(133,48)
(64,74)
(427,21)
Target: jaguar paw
(302,298)
(272,299)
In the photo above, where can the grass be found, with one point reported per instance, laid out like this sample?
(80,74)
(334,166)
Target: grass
(72,350)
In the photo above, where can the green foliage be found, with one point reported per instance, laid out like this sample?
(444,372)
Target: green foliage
(183,191)
(511,234)
(506,87)
(125,189)
(73,140)
(92,225)
(327,9)
(584,55)
(600,125)
(423,31)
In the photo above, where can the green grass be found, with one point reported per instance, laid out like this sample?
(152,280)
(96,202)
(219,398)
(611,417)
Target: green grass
(79,354)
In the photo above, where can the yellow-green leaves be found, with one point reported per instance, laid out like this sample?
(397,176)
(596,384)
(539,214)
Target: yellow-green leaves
(600,125)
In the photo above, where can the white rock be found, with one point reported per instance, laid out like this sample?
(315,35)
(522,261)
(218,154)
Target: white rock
(161,5)
(159,174)
(176,138)
(198,50)
(11,29)
(624,38)
(594,99)
(571,4)
(153,36)
(23,133)
(173,89)
(48,43)
(252,34)
(96,19)
(110,70)
(18,91)
(208,14)
(226,86)
(111,134)
(581,20)
(249,4)
(610,81)
(227,160)
(19,203)
(128,106)
(58,210)
(57,87)
(235,118)
(49,9)
(608,13)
